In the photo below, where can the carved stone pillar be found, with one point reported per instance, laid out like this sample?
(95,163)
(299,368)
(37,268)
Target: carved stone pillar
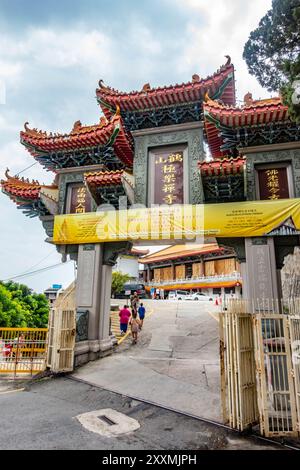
(105,339)
(262,278)
(88,296)
(93,293)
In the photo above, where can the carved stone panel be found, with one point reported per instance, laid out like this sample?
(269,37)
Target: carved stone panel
(82,325)
(193,138)
(290,157)
(86,285)
(64,181)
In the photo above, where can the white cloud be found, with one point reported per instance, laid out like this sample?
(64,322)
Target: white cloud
(58,48)
(217,28)
(62,49)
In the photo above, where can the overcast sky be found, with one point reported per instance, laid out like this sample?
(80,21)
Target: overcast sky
(52,54)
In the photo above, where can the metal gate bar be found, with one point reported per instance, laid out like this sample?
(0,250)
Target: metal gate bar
(274,369)
(260,366)
(22,350)
(238,383)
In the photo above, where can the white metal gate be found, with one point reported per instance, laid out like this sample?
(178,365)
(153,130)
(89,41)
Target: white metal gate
(276,397)
(260,366)
(62,332)
(238,383)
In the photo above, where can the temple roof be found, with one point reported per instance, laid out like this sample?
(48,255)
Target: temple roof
(31,197)
(251,114)
(108,186)
(219,85)
(19,189)
(181,251)
(107,132)
(103,178)
(218,115)
(224,166)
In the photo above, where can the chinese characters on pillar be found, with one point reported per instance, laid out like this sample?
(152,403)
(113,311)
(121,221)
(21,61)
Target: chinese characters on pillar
(80,200)
(273,184)
(262,270)
(168,175)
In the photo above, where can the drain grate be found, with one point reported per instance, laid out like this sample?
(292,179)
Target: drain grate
(106,420)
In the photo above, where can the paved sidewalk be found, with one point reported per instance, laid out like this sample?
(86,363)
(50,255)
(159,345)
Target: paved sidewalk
(174,364)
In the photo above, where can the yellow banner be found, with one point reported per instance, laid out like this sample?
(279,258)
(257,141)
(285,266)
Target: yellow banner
(184,222)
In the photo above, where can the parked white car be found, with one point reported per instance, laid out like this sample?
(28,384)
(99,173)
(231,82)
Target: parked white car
(199,296)
(178,295)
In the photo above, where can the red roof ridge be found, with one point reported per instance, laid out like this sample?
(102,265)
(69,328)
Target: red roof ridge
(103,172)
(252,113)
(223,70)
(77,129)
(106,131)
(15,187)
(218,105)
(24,183)
(104,178)
(218,166)
(223,160)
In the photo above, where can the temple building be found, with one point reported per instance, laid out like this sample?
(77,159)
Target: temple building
(128,263)
(208,268)
(148,148)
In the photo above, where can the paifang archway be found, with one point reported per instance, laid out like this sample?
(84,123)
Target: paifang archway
(148,147)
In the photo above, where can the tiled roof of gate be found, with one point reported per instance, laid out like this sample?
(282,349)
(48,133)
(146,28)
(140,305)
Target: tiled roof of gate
(102,134)
(253,113)
(220,83)
(224,166)
(19,188)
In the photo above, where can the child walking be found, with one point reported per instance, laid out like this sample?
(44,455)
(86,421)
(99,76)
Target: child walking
(135,324)
(141,312)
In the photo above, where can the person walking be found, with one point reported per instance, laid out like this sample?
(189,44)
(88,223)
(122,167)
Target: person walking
(135,324)
(135,300)
(141,312)
(124,315)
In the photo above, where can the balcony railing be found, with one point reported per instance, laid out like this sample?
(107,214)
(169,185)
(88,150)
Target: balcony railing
(235,276)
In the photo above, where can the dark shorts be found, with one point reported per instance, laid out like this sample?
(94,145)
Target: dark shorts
(142,316)
(123,327)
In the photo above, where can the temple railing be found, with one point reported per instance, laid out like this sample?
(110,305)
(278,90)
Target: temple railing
(235,276)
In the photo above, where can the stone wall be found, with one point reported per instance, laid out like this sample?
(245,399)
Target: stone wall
(290,275)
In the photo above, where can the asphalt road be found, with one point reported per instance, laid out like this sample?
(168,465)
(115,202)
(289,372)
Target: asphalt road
(175,362)
(43,416)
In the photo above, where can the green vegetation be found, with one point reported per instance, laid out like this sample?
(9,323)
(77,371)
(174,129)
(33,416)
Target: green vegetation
(119,279)
(21,307)
(272,52)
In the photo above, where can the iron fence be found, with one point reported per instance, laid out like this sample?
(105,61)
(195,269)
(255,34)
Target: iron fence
(22,351)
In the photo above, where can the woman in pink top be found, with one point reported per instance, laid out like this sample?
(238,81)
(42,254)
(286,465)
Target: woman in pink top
(124,315)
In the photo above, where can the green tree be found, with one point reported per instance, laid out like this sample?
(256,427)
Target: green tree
(119,279)
(12,312)
(272,52)
(20,306)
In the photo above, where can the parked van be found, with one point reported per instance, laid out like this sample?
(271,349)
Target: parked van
(131,288)
(178,294)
